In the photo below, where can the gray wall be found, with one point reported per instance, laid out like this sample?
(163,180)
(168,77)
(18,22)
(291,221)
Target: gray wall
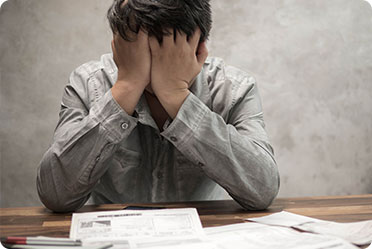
(312,59)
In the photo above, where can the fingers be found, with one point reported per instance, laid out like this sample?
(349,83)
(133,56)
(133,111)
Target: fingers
(139,38)
(114,56)
(194,39)
(202,53)
(117,44)
(178,37)
(112,46)
(154,44)
(118,41)
(142,37)
(168,40)
(181,37)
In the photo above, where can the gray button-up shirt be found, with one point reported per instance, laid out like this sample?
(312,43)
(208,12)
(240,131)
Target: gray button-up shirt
(216,143)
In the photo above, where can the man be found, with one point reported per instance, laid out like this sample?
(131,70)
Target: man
(158,120)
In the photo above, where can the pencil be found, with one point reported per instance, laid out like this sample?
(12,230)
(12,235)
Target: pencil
(40,241)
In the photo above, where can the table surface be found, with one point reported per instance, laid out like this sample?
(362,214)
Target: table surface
(35,221)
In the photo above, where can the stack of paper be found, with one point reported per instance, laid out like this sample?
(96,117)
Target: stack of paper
(259,236)
(358,233)
(181,229)
(139,228)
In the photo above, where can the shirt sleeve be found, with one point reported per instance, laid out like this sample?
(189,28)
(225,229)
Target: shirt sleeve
(84,139)
(233,151)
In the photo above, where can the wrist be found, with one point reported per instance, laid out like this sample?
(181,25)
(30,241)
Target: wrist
(134,77)
(172,101)
(127,95)
(127,88)
(169,88)
(128,80)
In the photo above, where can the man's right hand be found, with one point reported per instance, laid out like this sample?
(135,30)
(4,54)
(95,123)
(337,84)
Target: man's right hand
(133,60)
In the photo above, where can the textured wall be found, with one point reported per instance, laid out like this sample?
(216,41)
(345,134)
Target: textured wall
(312,59)
(313,62)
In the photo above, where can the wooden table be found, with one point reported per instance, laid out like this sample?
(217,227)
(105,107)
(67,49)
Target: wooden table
(34,221)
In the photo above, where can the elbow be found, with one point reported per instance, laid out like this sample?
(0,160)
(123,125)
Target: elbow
(261,202)
(263,191)
(267,187)
(270,191)
(266,197)
(53,194)
(52,200)
(60,205)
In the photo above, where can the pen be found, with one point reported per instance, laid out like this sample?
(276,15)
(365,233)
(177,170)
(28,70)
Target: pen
(40,241)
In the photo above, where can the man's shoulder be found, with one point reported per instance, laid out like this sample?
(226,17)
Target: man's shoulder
(217,70)
(90,68)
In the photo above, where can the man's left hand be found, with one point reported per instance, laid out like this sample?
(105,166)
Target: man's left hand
(175,63)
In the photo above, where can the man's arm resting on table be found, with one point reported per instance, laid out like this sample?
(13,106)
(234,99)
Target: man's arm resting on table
(235,154)
(82,143)
(86,138)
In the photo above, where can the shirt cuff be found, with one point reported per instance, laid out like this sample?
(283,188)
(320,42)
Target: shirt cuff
(187,120)
(108,113)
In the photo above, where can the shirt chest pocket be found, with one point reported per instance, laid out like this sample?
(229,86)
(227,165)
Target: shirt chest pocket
(127,158)
(124,175)
(190,177)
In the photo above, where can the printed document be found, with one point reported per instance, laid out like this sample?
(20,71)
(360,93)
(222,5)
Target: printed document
(182,229)
(358,233)
(258,236)
(138,228)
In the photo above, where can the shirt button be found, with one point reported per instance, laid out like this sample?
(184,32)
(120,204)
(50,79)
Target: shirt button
(98,158)
(174,139)
(124,126)
(201,164)
(160,175)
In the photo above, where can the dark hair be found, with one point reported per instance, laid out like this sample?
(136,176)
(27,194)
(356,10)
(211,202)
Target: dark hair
(156,17)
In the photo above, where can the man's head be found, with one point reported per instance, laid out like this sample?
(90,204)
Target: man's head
(157,17)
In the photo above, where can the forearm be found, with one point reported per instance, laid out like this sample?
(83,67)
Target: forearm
(68,172)
(64,182)
(76,159)
(240,163)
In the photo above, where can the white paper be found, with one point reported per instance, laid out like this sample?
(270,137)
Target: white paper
(177,245)
(259,236)
(359,233)
(283,219)
(138,228)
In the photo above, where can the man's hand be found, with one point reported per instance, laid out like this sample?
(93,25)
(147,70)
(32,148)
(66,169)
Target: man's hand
(133,59)
(175,63)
